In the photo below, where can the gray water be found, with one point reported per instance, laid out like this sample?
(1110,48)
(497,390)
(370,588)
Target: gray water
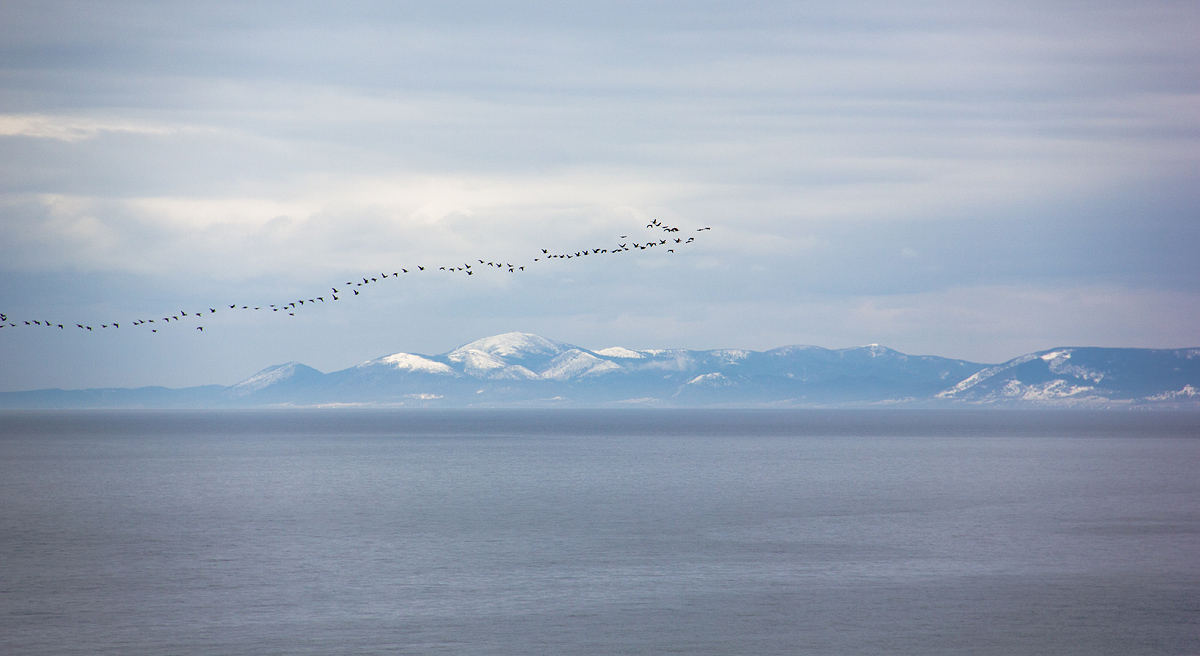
(553,532)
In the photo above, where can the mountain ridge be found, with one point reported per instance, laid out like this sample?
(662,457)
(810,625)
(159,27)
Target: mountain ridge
(526,370)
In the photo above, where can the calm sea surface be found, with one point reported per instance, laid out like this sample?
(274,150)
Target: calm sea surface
(599,532)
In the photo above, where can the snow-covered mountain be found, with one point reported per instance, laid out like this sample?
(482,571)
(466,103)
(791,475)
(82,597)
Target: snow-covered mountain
(1087,377)
(280,374)
(524,370)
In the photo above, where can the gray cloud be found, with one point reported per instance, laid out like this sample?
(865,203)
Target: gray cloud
(858,161)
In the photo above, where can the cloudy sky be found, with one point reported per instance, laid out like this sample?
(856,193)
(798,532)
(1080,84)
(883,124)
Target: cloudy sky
(969,179)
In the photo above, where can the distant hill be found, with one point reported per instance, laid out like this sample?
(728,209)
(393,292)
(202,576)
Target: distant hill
(1087,377)
(524,370)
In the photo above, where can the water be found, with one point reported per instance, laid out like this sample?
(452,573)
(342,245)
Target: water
(651,532)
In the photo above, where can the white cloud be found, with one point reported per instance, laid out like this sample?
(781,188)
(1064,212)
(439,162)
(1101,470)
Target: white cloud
(77,128)
(331,222)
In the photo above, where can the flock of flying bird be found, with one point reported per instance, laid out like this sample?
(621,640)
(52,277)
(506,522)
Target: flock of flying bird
(670,243)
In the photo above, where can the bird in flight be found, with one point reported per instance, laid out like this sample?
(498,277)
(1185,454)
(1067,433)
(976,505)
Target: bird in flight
(293,306)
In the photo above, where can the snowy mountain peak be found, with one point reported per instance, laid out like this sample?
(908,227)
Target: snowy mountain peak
(271,376)
(1057,354)
(517,346)
(874,350)
(619,352)
(411,362)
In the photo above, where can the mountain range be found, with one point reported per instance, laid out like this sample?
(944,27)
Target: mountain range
(524,370)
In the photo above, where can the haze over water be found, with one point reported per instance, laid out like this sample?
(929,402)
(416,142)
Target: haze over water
(599,532)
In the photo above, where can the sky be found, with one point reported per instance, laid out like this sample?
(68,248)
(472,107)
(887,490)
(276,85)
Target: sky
(969,179)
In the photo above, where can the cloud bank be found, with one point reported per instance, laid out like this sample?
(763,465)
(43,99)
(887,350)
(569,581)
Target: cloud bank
(973,180)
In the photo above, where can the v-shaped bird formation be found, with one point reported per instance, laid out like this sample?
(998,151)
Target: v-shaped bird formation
(350,289)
